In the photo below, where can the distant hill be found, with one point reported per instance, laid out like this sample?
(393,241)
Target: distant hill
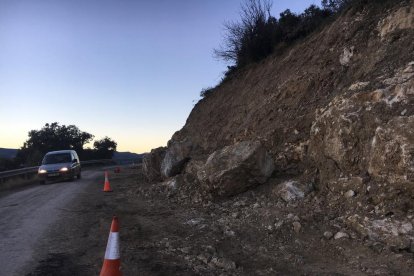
(8,153)
(126,155)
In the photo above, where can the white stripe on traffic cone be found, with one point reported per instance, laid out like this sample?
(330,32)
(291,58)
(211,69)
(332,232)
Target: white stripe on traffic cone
(112,262)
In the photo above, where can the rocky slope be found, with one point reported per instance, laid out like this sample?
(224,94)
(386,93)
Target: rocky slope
(331,120)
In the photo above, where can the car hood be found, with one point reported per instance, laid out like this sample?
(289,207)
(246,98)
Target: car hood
(54,167)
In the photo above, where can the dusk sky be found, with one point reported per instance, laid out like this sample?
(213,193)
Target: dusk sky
(130,70)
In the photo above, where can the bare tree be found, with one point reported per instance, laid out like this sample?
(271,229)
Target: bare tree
(253,13)
(232,42)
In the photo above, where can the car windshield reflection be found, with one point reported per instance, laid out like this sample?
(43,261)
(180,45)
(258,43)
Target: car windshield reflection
(56,158)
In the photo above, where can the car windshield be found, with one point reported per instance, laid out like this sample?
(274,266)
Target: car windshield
(57,158)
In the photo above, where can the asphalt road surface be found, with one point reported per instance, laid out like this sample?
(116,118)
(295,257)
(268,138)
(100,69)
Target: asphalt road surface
(27,215)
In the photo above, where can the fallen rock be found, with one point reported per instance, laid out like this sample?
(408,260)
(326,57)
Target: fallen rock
(349,194)
(178,153)
(205,259)
(358,86)
(296,226)
(223,263)
(392,232)
(328,235)
(194,221)
(228,232)
(236,168)
(269,228)
(341,235)
(151,164)
(346,56)
(278,224)
(291,190)
(171,186)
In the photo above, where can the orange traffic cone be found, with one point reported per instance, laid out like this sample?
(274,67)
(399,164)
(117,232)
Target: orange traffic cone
(107,187)
(112,261)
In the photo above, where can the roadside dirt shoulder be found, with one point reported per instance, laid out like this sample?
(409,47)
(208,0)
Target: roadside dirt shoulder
(246,235)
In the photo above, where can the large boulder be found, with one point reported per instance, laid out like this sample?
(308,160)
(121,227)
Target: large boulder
(151,164)
(236,168)
(178,153)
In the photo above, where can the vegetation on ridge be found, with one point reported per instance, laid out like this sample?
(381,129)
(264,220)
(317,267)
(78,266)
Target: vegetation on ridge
(259,34)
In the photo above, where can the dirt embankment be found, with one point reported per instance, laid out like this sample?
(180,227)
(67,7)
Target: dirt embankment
(335,113)
(276,101)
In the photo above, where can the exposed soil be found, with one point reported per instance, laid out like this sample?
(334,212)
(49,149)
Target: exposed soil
(335,112)
(250,234)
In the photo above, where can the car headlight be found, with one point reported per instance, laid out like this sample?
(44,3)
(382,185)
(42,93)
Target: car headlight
(64,169)
(42,171)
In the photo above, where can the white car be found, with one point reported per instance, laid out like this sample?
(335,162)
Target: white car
(60,165)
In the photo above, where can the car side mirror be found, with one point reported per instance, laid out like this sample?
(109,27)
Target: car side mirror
(75,161)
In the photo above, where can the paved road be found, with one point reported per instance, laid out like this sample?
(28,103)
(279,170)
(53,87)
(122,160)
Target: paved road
(26,215)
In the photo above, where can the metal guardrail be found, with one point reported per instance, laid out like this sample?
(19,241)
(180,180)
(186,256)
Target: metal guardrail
(26,172)
(23,171)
